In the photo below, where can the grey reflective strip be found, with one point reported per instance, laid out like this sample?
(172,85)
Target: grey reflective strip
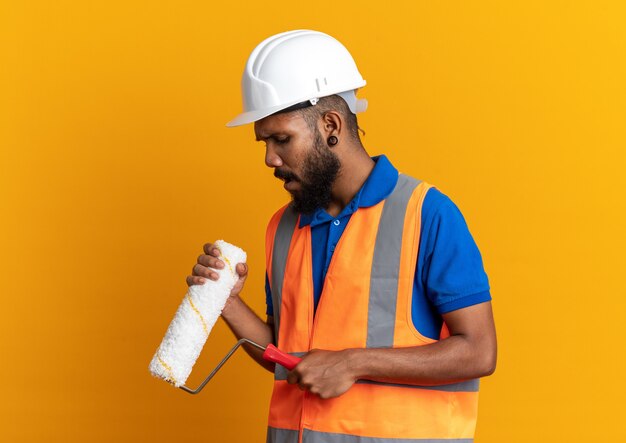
(280,372)
(309,436)
(275,435)
(282,241)
(381,315)
(464,386)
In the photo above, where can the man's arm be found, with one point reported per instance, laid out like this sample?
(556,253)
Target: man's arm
(469,352)
(244,323)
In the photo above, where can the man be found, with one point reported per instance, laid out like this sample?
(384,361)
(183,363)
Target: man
(372,276)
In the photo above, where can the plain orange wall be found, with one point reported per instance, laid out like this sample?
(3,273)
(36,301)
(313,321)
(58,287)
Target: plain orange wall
(116,166)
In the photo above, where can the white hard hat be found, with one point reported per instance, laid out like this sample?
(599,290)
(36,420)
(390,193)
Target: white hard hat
(293,67)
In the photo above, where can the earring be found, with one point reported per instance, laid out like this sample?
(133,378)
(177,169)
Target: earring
(332,140)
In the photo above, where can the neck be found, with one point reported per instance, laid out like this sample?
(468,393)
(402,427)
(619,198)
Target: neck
(354,172)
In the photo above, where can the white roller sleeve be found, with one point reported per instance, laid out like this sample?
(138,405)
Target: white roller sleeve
(194,320)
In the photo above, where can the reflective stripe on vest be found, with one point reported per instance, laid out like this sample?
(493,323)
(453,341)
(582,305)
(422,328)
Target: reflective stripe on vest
(275,435)
(464,386)
(282,240)
(288,436)
(365,303)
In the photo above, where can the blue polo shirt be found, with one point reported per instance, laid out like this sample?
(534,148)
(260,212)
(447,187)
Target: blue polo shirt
(450,273)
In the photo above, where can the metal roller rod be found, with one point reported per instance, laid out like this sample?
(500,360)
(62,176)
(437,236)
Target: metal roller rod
(220,364)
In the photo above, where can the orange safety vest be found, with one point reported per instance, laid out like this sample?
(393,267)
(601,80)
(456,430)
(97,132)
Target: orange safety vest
(365,303)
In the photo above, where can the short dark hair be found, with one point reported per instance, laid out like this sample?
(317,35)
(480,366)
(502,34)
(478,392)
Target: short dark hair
(312,114)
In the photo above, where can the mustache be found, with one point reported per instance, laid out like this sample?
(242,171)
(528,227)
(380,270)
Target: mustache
(284,175)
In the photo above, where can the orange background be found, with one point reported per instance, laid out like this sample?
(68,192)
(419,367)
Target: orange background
(116,166)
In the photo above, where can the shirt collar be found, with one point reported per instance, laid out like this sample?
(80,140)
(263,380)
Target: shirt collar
(379,184)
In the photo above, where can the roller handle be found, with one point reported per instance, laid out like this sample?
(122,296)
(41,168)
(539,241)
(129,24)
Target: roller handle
(273,354)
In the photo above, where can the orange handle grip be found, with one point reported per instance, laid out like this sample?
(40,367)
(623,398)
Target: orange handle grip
(273,354)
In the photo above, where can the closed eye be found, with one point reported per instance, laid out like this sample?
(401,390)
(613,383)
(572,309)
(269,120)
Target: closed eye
(281,141)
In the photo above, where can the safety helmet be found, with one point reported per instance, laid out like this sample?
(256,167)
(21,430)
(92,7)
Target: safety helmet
(295,69)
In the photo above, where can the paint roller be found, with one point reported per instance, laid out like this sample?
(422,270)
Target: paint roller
(194,320)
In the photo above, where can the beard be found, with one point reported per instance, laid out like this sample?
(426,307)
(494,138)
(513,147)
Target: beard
(319,171)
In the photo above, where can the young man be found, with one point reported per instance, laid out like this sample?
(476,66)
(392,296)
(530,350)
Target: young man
(372,276)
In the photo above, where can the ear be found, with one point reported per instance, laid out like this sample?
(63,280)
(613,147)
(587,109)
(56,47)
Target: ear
(332,124)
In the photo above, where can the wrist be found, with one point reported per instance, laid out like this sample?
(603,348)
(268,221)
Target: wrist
(355,362)
(229,306)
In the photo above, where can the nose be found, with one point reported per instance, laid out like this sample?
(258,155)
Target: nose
(272,159)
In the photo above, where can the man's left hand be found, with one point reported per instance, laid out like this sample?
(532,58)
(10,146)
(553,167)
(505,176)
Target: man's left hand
(324,373)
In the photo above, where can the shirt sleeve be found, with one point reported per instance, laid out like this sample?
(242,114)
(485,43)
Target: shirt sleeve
(268,297)
(453,274)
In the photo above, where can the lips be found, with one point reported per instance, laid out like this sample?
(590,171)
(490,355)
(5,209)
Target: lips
(290,184)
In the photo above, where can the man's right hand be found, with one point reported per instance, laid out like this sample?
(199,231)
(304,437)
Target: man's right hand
(206,268)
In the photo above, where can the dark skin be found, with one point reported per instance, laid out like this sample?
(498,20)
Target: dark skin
(469,352)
